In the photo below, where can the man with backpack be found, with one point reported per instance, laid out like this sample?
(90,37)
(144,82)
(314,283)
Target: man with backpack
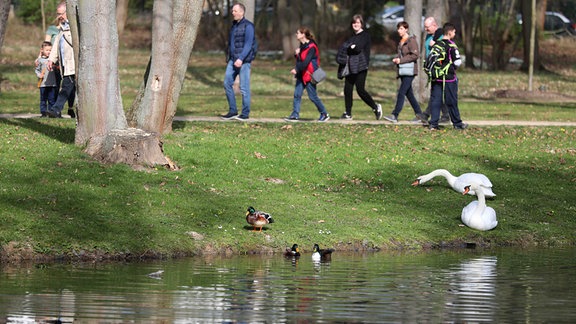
(433,34)
(441,67)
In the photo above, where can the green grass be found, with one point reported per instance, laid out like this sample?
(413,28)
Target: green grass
(341,185)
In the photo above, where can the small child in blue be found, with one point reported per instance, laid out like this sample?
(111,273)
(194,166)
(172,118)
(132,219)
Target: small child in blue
(47,82)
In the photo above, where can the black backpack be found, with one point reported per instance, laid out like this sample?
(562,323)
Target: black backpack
(438,62)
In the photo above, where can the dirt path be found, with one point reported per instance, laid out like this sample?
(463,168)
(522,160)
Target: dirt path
(339,121)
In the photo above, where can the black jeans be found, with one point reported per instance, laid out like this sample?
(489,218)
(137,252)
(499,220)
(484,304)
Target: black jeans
(67,94)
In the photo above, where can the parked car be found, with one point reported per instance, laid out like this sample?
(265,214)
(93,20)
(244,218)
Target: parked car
(390,17)
(557,24)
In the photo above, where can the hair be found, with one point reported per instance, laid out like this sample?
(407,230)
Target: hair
(46,43)
(403,24)
(357,17)
(241,5)
(431,20)
(448,27)
(306,31)
(61,4)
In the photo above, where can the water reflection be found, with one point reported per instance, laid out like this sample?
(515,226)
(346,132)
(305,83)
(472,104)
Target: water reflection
(440,286)
(473,285)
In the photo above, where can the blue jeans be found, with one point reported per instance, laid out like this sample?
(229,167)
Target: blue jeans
(447,92)
(312,94)
(405,90)
(229,77)
(67,94)
(47,98)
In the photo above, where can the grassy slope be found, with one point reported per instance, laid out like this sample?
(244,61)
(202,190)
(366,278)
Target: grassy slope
(338,185)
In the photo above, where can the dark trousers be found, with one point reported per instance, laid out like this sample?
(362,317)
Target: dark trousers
(47,98)
(67,94)
(358,80)
(405,91)
(446,92)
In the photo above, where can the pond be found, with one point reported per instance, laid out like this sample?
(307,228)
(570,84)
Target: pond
(504,285)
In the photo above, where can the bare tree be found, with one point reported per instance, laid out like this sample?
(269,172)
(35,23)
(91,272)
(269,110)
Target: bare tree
(102,125)
(174,29)
(526,8)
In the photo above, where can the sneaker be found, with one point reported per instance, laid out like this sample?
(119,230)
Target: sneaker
(291,119)
(53,114)
(416,120)
(378,112)
(323,118)
(461,126)
(44,114)
(444,120)
(241,117)
(71,113)
(391,118)
(229,116)
(432,128)
(346,117)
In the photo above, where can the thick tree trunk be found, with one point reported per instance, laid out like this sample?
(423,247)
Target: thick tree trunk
(102,126)
(174,30)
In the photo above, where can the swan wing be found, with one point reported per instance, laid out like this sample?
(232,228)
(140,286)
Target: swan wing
(469,178)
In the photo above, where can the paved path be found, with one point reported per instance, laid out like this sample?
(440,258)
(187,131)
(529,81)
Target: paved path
(340,121)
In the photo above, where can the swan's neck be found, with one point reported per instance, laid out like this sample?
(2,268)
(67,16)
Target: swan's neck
(440,172)
(481,201)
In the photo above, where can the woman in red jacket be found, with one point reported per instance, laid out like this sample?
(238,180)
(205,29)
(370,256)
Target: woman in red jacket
(307,61)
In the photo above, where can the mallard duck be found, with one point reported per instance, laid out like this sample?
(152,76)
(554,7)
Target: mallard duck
(458,183)
(292,252)
(321,254)
(258,218)
(476,214)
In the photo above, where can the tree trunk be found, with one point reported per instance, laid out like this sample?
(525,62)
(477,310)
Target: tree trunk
(4,12)
(288,23)
(526,9)
(102,126)
(413,16)
(174,29)
(121,15)
(468,10)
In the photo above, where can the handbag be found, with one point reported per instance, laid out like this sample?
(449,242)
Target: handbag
(406,69)
(318,76)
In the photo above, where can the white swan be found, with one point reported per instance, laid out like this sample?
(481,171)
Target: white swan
(476,214)
(458,183)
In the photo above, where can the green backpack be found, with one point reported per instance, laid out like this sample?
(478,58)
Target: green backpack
(438,62)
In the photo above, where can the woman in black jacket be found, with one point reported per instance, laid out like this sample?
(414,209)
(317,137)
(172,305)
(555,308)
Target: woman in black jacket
(358,50)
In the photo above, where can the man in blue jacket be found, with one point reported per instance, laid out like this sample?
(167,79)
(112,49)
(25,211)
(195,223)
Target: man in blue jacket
(241,52)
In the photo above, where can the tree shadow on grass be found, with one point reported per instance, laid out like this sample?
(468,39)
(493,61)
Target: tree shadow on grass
(57,128)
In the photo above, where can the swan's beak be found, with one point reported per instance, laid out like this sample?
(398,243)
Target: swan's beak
(466,190)
(416,182)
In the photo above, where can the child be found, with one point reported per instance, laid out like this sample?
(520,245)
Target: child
(46,80)
(447,88)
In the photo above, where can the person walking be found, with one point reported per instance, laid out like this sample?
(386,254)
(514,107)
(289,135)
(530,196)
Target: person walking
(446,89)
(307,61)
(63,54)
(433,34)
(406,61)
(358,50)
(241,52)
(47,82)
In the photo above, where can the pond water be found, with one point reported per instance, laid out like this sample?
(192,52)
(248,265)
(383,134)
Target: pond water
(507,285)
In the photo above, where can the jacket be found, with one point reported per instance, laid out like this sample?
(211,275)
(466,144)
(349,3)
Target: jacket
(242,41)
(307,61)
(408,52)
(359,52)
(64,41)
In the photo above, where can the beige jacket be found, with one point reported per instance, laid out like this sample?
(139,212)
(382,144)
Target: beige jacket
(68,60)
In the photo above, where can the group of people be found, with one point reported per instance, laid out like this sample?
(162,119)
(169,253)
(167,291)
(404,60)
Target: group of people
(354,59)
(55,68)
